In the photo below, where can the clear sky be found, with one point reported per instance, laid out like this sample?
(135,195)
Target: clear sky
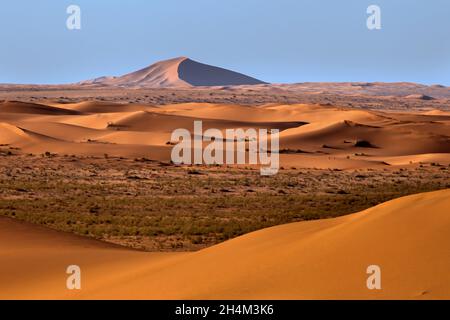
(273,40)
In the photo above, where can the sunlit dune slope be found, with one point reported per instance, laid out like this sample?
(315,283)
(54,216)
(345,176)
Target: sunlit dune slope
(407,238)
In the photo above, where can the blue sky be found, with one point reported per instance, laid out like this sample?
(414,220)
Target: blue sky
(273,40)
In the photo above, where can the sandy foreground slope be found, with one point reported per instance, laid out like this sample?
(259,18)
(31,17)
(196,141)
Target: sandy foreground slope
(409,238)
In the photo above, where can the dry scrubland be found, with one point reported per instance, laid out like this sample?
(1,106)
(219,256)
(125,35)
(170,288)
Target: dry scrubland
(156,206)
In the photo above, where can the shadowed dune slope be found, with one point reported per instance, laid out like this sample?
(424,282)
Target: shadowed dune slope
(33,108)
(408,238)
(152,121)
(97,107)
(199,74)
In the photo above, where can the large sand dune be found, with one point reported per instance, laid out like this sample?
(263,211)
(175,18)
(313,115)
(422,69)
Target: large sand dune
(179,73)
(407,238)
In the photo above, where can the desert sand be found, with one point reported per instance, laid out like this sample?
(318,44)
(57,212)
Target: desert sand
(311,135)
(94,158)
(407,237)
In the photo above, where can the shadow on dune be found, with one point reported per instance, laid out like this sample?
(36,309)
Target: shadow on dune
(199,74)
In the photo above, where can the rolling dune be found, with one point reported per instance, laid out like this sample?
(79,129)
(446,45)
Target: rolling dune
(33,108)
(10,134)
(332,137)
(103,107)
(343,136)
(408,238)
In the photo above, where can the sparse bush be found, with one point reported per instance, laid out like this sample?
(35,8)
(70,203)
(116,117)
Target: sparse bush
(364,144)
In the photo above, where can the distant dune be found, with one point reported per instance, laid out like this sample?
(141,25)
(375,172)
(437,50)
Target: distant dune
(407,238)
(420,97)
(178,72)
